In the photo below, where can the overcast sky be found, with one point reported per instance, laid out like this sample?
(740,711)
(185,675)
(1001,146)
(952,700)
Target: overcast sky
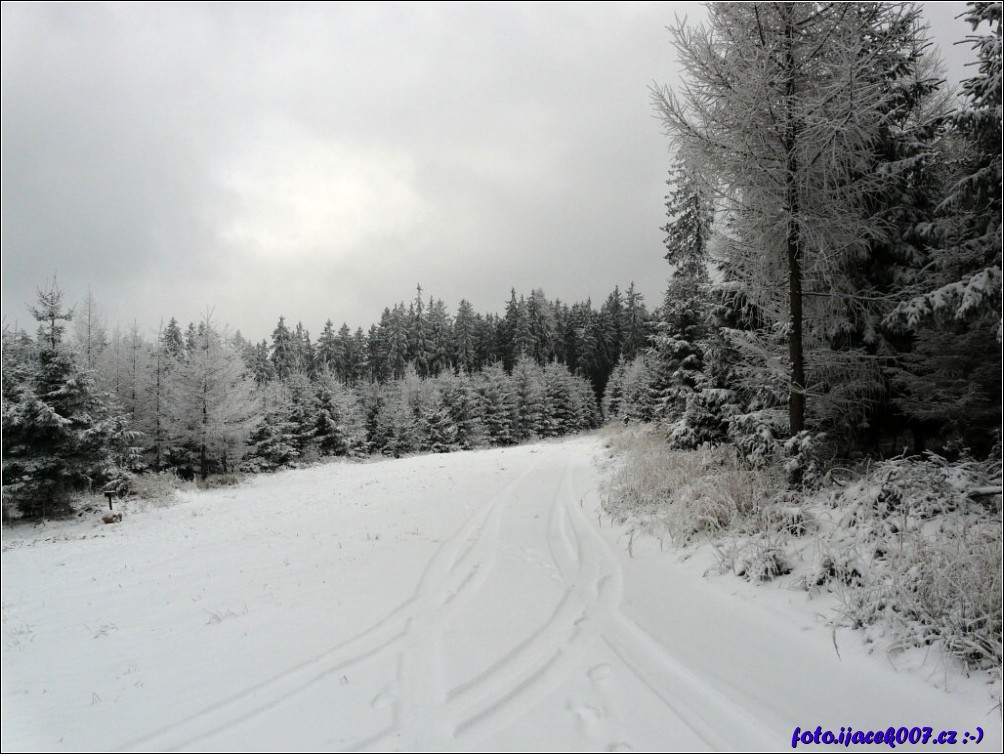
(318,161)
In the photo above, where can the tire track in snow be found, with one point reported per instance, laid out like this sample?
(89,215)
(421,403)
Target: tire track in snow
(442,713)
(516,682)
(587,618)
(460,564)
(589,615)
(719,716)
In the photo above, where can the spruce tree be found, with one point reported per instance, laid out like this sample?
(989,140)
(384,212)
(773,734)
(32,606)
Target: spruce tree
(465,337)
(464,408)
(498,405)
(528,391)
(284,352)
(59,436)
(327,348)
(339,427)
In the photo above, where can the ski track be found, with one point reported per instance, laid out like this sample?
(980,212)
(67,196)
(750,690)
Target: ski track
(428,713)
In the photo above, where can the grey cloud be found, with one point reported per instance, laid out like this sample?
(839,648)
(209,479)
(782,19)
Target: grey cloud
(493,146)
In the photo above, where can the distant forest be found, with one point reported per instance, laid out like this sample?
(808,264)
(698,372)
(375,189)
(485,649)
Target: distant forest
(102,406)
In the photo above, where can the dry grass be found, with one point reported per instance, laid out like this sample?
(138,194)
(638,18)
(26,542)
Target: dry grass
(917,559)
(911,547)
(682,494)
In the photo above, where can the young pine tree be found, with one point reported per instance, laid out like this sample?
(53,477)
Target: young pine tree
(59,436)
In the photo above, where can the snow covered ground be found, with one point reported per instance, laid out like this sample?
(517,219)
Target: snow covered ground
(473,600)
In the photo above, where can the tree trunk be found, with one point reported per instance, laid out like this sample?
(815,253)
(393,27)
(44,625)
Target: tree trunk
(796,361)
(203,454)
(796,391)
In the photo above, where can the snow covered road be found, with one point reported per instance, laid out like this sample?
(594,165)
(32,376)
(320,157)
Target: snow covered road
(468,601)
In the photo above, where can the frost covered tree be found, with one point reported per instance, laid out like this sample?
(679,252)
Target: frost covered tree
(285,351)
(272,442)
(395,426)
(302,415)
(947,382)
(419,346)
(327,347)
(565,412)
(463,407)
(156,378)
(440,337)
(173,339)
(339,428)
(394,328)
(465,337)
(59,437)
(498,403)
(781,110)
(211,406)
(530,406)
(90,334)
(304,350)
(967,233)
(541,324)
(681,323)
(635,324)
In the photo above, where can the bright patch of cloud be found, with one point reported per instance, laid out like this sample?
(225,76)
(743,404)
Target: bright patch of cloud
(292,195)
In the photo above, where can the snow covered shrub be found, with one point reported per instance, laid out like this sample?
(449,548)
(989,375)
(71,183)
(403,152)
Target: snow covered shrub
(756,436)
(758,546)
(217,481)
(158,486)
(120,484)
(807,455)
(762,559)
(704,420)
(914,551)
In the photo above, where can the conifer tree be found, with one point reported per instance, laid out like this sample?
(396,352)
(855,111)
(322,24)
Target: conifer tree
(259,364)
(498,405)
(271,442)
(440,337)
(343,356)
(541,325)
(89,333)
(360,356)
(377,350)
(465,337)
(781,113)
(327,348)
(419,349)
(304,350)
(339,428)
(155,385)
(59,437)
(211,402)
(173,339)
(463,406)
(634,326)
(528,391)
(284,354)
(564,412)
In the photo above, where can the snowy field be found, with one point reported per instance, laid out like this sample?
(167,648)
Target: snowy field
(472,600)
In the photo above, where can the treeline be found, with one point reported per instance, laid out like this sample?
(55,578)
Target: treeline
(82,409)
(423,335)
(835,234)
